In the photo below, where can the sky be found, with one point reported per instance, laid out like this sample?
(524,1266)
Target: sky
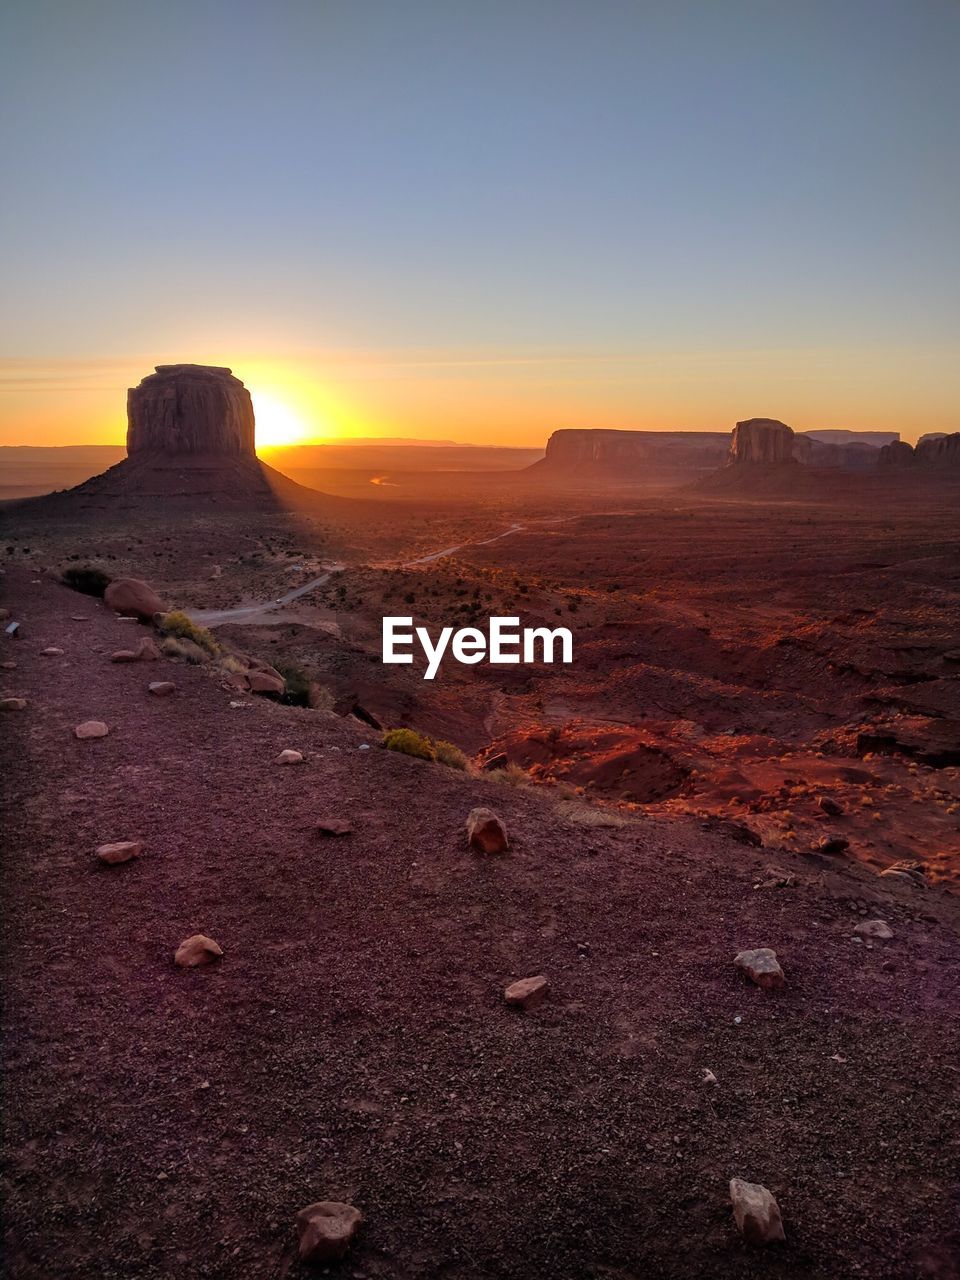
(483,221)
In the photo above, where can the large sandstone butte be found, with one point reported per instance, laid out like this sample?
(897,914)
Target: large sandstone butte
(762,441)
(190,409)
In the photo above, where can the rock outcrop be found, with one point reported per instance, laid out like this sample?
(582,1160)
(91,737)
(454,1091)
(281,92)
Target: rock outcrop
(897,454)
(762,442)
(190,409)
(941,451)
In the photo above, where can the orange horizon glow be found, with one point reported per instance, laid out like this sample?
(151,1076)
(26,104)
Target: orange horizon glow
(502,398)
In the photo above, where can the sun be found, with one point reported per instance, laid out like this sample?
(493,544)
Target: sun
(277,423)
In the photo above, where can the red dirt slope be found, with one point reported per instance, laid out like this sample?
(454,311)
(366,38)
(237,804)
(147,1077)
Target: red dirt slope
(353,1042)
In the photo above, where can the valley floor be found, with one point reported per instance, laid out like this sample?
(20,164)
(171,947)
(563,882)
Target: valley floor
(353,1042)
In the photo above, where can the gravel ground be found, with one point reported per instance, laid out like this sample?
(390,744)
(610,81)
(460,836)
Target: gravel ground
(353,1042)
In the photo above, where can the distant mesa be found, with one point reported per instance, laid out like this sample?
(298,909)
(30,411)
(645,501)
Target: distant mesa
(189,409)
(933,450)
(191,439)
(762,442)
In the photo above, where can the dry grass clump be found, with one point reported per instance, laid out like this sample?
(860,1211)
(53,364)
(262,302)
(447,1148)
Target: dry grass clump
(578,814)
(87,578)
(511,776)
(450,755)
(418,745)
(186,650)
(178,625)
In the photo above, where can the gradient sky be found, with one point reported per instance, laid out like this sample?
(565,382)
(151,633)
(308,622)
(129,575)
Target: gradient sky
(483,220)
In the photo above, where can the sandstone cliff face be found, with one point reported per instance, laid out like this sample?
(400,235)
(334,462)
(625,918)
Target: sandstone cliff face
(607,448)
(942,451)
(190,409)
(897,454)
(764,442)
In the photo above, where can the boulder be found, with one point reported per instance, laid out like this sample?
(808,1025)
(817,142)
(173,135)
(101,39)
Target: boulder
(334,827)
(761,442)
(162,688)
(486,832)
(527,993)
(498,761)
(14,704)
(120,851)
(190,409)
(91,729)
(197,950)
(761,966)
(756,1212)
(325,1230)
(134,598)
(874,929)
(288,757)
(261,682)
(829,806)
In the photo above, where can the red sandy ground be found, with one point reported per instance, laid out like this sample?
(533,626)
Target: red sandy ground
(353,1042)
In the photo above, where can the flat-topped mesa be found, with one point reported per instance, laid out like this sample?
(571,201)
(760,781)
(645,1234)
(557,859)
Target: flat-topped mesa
(763,442)
(190,409)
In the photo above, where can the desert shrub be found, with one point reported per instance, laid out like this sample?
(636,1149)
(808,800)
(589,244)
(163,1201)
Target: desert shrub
(173,647)
(449,754)
(227,662)
(409,742)
(88,579)
(177,624)
(297,686)
(322,698)
(511,776)
(584,815)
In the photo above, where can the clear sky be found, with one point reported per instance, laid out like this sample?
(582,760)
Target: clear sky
(483,219)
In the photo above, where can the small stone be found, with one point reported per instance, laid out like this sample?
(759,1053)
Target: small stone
(707,1076)
(830,806)
(325,1230)
(760,966)
(486,832)
(13,704)
(498,761)
(334,827)
(91,729)
(874,929)
(9,665)
(51,652)
(756,1212)
(832,844)
(162,688)
(289,757)
(121,851)
(527,993)
(196,951)
(123,655)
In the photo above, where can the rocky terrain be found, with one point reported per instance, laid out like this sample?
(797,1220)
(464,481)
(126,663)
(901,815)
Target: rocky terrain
(351,1040)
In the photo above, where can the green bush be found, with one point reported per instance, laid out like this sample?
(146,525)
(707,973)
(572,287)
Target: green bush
(450,755)
(178,624)
(297,690)
(409,742)
(86,578)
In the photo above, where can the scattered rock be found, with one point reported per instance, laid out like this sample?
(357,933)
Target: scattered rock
(289,757)
(830,806)
(162,688)
(911,872)
(325,1230)
(760,966)
(334,827)
(123,655)
(121,851)
(91,729)
(486,832)
(527,993)
(14,704)
(874,929)
(263,682)
(707,1076)
(51,652)
(9,665)
(196,951)
(147,651)
(134,598)
(832,844)
(499,761)
(756,1212)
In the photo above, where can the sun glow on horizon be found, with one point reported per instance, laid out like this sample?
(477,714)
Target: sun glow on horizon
(277,424)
